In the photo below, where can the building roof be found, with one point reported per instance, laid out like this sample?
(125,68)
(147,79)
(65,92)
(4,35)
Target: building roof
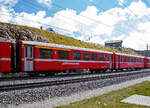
(114,41)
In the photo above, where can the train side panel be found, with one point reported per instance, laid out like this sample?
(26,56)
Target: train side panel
(55,63)
(147,62)
(5,56)
(123,61)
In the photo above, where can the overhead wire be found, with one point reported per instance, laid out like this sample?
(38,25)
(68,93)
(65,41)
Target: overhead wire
(91,19)
(145,12)
(36,22)
(31,4)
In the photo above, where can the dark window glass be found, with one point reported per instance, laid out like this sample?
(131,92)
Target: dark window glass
(86,56)
(139,59)
(31,52)
(117,58)
(94,56)
(106,57)
(45,53)
(121,59)
(134,59)
(111,56)
(26,53)
(128,59)
(124,59)
(131,59)
(63,54)
(101,57)
(76,55)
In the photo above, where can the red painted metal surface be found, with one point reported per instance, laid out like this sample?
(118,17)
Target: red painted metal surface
(59,64)
(5,57)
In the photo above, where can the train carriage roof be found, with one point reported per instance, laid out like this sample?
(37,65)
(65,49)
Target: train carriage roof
(62,46)
(129,55)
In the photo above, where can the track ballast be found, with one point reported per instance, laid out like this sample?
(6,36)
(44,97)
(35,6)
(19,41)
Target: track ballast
(67,81)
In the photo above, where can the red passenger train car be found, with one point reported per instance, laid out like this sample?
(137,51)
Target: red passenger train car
(126,61)
(27,56)
(147,62)
(38,56)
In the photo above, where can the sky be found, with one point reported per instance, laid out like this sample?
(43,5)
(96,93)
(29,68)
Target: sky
(94,21)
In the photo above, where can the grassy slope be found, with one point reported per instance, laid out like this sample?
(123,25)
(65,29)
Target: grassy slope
(61,39)
(112,99)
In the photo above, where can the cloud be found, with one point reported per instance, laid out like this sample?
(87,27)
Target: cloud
(91,26)
(5,14)
(9,3)
(45,2)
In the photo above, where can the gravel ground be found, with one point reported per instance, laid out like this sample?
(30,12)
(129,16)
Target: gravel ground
(48,97)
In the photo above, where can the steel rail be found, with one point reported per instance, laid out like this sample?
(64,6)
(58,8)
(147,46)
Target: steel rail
(61,82)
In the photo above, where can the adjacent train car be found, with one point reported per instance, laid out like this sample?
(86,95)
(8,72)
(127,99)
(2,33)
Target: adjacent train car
(126,61)
(147,62)
(5,56)
(38,56)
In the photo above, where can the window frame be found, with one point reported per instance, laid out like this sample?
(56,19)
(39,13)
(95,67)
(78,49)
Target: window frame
(76,56)
(46,57)
(101,57)
(85,54)
(63,57)
(94,58)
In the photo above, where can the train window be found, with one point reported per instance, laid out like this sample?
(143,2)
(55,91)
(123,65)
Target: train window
(134,59)
(86,56)
(131,59)
(94,56)
(121,59)
(128,59)
(117,58)
(26,52)
(45,53)
(101,57)
(124,59)
(106,57)
(139,59)
(63,54)
(111,56)
(31,52)
(76,55)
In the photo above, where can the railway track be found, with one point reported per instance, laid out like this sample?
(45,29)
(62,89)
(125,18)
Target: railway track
(65,81)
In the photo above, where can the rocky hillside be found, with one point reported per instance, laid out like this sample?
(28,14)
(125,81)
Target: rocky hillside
(16,32)
(13,32)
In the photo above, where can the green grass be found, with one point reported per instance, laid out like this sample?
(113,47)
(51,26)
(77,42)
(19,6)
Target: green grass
(112,99)
(64,40)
